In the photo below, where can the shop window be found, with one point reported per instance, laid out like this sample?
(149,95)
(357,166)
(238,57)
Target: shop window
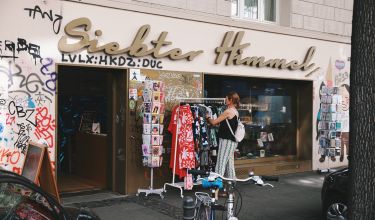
(268,110)
(257,10)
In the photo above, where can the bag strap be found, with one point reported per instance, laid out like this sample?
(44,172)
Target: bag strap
(230,128)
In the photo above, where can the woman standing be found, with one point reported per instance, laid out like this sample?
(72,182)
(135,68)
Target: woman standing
(227,142)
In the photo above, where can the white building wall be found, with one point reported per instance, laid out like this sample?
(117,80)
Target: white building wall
(28,77)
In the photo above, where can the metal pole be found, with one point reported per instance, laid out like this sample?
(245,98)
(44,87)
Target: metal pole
(176,144)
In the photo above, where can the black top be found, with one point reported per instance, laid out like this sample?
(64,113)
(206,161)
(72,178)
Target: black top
(224,131)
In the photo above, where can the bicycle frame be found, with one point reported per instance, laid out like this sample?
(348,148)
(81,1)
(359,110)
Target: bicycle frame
(207,202)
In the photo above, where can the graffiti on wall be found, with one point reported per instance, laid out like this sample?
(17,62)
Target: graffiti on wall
(37,12)
(8,49)
(27,82)
(26,98)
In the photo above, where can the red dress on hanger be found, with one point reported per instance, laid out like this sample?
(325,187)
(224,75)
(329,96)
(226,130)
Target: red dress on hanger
(185,157)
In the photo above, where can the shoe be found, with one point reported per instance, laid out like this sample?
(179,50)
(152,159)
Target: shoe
(333,158)
(322,159)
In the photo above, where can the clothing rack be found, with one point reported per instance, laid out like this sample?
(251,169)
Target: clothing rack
(180,185)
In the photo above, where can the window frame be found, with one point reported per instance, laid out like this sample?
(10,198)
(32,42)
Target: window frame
(241,10)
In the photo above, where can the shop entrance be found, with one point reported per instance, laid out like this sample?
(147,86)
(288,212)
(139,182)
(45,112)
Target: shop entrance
(91,129)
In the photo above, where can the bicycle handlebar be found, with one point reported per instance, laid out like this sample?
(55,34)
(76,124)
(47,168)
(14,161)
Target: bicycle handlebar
(199,172)
(257,179)
(270,178)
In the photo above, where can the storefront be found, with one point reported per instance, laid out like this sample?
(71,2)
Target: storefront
(68,68)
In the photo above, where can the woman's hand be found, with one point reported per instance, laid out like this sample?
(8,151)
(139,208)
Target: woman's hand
(208,118)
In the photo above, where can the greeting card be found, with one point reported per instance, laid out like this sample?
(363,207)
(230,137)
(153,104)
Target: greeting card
(162,86)
(155,161)
(332,108)
(161,129)
(149,85)
(145,160)
(156,107)
(332,143)
(146,128)
(146,118)
(161,119)
(155,140)
(157,150)
(147,106)
(332,126)
(162,96)
(156,97)
(145,149)
(338,142)
(161,137)
(155,118)
(146,139)
(147,94)
(338,126)
(162,108)
(155,129)
(156,86)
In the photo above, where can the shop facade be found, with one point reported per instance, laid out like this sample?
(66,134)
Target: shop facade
(64,64)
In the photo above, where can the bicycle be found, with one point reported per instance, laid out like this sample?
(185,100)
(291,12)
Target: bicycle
(205,205)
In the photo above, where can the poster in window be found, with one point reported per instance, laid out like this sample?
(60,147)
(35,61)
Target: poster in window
(87,118)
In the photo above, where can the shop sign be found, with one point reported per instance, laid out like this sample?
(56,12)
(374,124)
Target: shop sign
(231,47)
(136,49)
(234,55)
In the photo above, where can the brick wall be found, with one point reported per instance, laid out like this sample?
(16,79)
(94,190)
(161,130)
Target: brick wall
(213,7)
(328,16)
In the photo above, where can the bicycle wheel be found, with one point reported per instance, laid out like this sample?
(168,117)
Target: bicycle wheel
(203,213)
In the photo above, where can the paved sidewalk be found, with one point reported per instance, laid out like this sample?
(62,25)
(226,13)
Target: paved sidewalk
(294,197)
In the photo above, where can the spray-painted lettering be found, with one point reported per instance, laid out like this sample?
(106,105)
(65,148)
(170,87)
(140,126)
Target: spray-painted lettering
(22,46)
(21,113)
(56,18)
(8,156)
(51,82)
(45,126)
(23,137)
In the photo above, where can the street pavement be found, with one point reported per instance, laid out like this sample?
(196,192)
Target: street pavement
(294,197)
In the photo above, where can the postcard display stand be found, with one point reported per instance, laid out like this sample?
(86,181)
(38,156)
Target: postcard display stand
(180,185)
(152,137)
(329,126)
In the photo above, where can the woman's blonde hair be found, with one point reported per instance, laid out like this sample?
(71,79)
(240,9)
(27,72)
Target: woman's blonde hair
(235,98)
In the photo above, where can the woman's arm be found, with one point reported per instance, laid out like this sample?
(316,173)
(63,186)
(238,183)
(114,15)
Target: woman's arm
(221,118)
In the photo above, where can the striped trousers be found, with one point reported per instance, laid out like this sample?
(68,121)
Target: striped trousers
(225,158)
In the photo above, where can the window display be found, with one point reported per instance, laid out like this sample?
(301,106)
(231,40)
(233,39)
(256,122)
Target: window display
(267,110)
